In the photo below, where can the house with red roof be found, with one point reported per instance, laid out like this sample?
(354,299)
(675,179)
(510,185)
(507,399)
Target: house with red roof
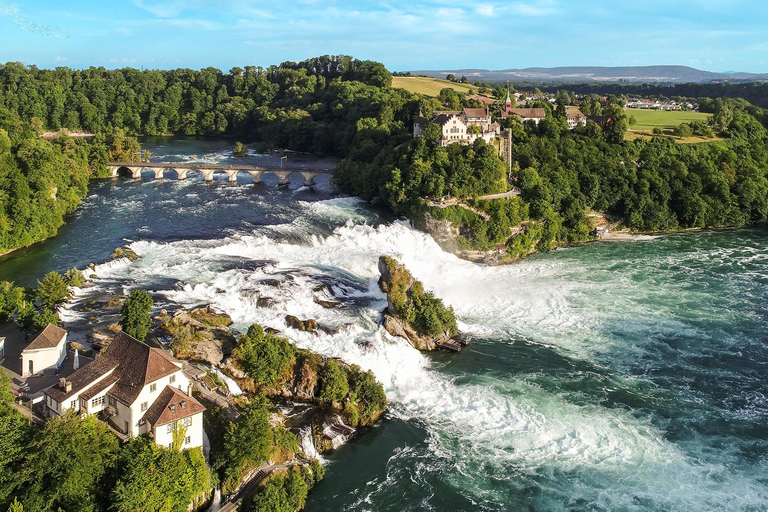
(135,388)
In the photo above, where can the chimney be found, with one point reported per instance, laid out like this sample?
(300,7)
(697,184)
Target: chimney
(62,382)
(68,386)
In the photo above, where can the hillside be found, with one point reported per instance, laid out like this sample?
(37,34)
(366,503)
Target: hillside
(428,86)
(580,74)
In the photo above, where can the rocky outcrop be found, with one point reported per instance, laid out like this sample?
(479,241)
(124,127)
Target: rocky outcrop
(124,252)
(309,325)
(447,236)
(202,334)
(443,231)
(401,289)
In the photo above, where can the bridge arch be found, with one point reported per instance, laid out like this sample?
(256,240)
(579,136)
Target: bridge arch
(126,171)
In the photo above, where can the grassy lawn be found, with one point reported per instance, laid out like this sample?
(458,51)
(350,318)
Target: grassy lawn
(648,119)
(429,86)
(647,135)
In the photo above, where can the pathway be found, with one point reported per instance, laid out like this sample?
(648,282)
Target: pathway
(251,482)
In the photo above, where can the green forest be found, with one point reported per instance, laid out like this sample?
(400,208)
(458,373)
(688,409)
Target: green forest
(337,105)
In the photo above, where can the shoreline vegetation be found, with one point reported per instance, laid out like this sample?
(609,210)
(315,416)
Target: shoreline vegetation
(337,105)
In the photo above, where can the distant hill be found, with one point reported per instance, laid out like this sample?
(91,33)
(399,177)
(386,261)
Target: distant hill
(581,74)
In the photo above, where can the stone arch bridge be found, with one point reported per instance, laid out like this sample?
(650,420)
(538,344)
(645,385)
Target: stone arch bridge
(207,170)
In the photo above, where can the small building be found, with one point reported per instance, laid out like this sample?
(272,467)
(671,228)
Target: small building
(47,350)
(137,390)
(527,114)
(575,118)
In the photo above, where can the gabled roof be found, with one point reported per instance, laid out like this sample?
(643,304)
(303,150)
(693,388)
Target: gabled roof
(101,386)
(138,365)
(444,118)
(483,99)
(573,113)
(438,113)
(135,365)
(171,405)
(475,112)
(50,337)
(529,113)
(83,378)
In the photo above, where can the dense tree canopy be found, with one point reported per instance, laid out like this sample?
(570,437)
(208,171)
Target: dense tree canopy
(134,315)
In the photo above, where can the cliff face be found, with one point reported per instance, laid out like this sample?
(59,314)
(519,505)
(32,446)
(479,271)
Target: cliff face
(412,313)
(447,237)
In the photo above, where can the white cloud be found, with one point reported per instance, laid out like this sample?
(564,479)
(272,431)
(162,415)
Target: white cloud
(534,9)
(486,10)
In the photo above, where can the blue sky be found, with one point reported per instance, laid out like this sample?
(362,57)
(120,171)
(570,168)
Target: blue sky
(716,35)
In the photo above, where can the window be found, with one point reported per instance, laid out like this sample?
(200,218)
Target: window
(99,400)
(187,440)
(172,379)
(153,387)
(187,422)
(169,428)
(73,404)
(112,401)
(144,406)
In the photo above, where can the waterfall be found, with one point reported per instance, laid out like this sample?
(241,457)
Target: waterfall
(308,444)
(216,501)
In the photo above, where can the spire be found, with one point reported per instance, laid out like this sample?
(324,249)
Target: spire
(508,100)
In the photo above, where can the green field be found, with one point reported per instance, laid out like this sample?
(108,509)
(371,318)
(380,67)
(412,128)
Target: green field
(649,119)
(428,86)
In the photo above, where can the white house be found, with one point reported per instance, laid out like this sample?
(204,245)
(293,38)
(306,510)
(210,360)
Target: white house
(575,118)
(137,390)
(454,125)
(46,351)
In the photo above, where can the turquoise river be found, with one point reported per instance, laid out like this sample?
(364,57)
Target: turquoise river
(608,376)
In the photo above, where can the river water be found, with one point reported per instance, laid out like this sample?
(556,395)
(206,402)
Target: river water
(610,376)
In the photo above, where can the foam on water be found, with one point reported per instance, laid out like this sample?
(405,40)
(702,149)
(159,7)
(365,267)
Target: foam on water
(486,427)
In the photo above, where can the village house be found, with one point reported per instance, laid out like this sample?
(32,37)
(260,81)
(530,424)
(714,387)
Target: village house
(137,390)
(527,114)
(46,351)
(575,118)
(455,125)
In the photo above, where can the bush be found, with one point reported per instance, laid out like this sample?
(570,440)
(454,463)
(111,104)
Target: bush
(248,441)
(265,357)
(240,149)
(333,382)
(286,493)
(367,394)
(74,277)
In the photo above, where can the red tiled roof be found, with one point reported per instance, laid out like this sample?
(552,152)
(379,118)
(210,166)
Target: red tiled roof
(139,365)
(529,113)
(50,337)
(171,405)
(135,364)
(476,112)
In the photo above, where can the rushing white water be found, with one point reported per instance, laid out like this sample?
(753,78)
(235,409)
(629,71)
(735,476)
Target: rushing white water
(487,427)
(308,443)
